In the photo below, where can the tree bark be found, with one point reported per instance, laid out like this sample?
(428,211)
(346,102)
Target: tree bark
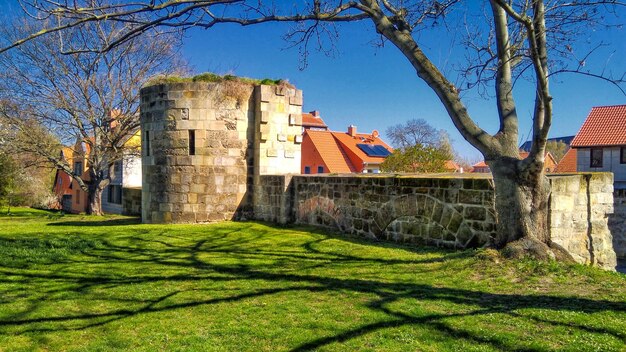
(521,191)
(94,196)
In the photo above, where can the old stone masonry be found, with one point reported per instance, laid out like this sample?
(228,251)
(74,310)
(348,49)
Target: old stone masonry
(206,144)
(231,150)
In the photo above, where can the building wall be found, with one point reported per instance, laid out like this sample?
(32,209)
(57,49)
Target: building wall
(131,177)
(451,211)
(311,157)
(241,132)
(131,201)
(610,163)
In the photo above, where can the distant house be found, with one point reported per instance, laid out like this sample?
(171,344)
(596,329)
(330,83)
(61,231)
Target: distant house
(313,121)
(125,182)
(62,186)
(452,166)
(326,151)
(126,174)
(568,162)
(601,143)
(549,163)
(528,144)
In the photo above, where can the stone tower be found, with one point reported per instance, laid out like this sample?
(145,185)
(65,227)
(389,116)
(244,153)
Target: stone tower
(206,144)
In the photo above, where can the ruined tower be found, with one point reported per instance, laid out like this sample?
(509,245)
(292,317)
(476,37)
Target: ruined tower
(206,144)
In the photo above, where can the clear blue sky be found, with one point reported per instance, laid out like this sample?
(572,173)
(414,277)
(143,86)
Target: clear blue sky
(373,87)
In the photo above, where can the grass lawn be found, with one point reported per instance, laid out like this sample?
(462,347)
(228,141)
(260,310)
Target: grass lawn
(77,283)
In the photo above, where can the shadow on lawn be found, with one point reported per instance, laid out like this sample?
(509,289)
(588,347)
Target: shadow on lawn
(187,253)
(109,222)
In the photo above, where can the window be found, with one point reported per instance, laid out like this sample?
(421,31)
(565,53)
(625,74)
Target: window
(78,168)
(320,169)
(115,194)
(596,157)
(147,142)
(622,155)
(307,170)
(192,142)
(117,166)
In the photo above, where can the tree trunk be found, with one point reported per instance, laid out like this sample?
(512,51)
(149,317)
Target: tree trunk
(522,191)
(94,198)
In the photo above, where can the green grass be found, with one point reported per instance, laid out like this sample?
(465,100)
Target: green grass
(79,283)
(214,78)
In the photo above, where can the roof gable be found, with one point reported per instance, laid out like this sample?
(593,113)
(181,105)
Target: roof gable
(568,162)
(330,152)
(604,126)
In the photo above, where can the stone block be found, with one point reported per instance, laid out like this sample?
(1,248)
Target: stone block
(264,116)
(295,100)
(470,196)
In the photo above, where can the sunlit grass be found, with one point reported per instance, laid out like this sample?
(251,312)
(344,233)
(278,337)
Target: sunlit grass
(81,283)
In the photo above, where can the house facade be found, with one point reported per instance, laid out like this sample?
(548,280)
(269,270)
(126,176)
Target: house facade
(125,181)
(601,143)
(326,152)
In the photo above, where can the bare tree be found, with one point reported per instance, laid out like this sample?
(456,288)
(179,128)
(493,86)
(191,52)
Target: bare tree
(87,98)
(520,35)
(413,132)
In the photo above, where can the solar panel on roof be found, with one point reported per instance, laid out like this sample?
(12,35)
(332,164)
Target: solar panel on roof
(374,150)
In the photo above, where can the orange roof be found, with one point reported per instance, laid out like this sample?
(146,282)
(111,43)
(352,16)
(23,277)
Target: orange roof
(605,125)
(349,143)
(451,165)
(568,163)
(330,151)
(522,155)
(309,120)
(340,152)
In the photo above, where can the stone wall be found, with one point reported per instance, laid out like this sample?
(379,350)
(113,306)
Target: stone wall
(450,211)
(580,206)
(204,145)
(131,201)
(617,223)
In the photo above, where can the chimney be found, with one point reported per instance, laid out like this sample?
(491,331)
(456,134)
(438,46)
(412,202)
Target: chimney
(352,130)
(315,113)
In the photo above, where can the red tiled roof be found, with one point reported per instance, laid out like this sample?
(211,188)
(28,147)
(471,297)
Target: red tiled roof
(522,155)
(604,126)
(350,143)
(568,163)
(330,151)
(308,120)
(340,152)
(451,165)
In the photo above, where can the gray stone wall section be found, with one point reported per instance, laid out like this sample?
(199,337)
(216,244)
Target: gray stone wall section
(212,184)
(617,223)
(580,206)
(448,212)
(456,211)
(131,201)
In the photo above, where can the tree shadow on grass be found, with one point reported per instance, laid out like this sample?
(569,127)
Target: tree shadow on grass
(239,254)
(92,223)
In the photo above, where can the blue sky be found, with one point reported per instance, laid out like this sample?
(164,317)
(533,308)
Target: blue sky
(373,87)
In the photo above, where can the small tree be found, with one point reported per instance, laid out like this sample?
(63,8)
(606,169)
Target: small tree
(80,98)
(416,159)
(557,149)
